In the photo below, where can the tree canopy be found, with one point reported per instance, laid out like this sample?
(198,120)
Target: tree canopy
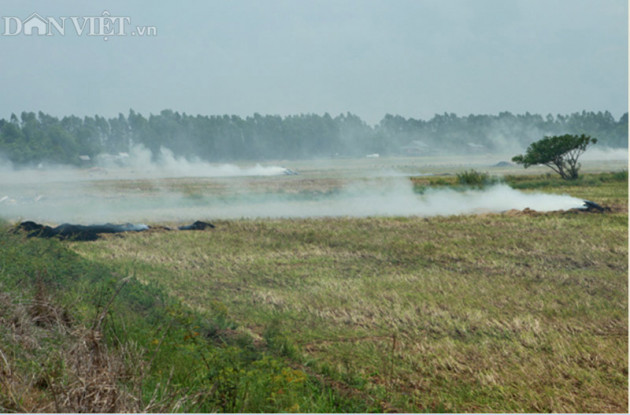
(560,153)
(32,138)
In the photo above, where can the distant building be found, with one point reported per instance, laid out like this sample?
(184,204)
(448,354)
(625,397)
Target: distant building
(85,160)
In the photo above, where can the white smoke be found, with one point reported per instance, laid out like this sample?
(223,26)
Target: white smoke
(388,198)
(87,203)
(131,187)
(167,165)
(5,164)
(605,154)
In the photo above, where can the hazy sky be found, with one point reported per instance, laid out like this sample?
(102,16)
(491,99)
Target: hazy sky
(413,58)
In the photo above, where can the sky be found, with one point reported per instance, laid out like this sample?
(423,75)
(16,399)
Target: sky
(412,58)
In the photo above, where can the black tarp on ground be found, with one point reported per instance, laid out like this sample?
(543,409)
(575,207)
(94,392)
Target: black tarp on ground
(197,226)
(77,232)
(91,232)
(593,207)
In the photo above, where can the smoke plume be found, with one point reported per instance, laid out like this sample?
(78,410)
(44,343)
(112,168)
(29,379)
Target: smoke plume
(142,164)
(120,201)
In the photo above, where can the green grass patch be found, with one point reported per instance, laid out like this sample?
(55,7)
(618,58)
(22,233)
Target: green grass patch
(81,336)
(553,180)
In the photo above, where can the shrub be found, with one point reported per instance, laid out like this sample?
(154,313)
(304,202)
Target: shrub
(474,178)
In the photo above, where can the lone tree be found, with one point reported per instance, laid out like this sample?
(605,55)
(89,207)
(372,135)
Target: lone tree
(560,153)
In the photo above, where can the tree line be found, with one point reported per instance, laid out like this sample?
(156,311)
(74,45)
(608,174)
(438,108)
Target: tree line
(35,138)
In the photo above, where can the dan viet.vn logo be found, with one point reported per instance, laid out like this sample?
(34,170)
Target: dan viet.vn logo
(105,25)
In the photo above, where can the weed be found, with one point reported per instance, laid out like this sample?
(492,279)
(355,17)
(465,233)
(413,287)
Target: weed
(474,178)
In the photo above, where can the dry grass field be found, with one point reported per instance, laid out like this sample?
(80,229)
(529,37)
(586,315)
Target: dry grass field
(517,312)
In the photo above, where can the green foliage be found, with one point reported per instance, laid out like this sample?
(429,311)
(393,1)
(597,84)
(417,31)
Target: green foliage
(33,138)
(474,178)
(262,385)
(560,153)
(277,340)
(461,181)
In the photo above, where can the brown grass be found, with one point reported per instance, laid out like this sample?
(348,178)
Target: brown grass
(49,363)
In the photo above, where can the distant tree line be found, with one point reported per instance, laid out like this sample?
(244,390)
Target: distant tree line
(34,138)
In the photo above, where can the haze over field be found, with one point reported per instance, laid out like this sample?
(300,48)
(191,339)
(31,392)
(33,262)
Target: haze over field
(323,206)
(371,58)
(179,190)
(224,90)
(141,164)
